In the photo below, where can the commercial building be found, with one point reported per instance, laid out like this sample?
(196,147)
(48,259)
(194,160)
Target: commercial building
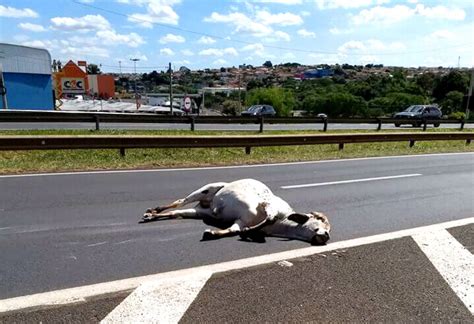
(73,80)
(26,75)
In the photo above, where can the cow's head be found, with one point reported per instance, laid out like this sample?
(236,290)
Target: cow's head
(315,226)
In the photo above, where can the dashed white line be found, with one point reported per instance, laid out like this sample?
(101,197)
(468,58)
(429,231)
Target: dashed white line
(97,244)
(350,181)
(452,260)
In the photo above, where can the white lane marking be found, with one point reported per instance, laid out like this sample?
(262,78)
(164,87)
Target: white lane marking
(97,244)
(123,242)
(229,166)
(452,260)
(3,228)
(350,181)
(77,294)
(159,301)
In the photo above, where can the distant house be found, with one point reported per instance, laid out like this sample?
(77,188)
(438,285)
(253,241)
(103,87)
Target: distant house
(317,73)
(26,75)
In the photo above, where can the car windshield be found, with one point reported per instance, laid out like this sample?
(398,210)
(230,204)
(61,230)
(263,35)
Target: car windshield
(414,109)
(254,108)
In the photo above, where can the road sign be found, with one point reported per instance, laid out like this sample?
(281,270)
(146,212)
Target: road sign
(187,104)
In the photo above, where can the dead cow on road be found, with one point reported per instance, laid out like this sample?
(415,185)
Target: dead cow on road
(251,208)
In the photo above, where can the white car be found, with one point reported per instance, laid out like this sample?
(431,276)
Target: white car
(166,110)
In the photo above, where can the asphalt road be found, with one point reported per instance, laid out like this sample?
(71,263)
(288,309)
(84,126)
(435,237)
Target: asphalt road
(59,231)
(235,127)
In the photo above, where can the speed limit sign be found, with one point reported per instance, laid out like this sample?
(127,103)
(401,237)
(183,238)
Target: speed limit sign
(187,104)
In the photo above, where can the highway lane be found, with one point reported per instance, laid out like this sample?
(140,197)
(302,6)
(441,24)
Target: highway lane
(59,231)
(221,127)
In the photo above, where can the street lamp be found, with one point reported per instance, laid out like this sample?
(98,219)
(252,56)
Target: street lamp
(135,60)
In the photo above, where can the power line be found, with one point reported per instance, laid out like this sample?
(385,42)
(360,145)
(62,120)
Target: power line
(226,38)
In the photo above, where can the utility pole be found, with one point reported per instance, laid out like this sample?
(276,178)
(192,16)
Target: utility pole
(171,88)
(120,68)
(240,100)
(135,60)
(469,95)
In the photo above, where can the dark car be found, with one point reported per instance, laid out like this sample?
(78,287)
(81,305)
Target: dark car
(259,110)
(417,114)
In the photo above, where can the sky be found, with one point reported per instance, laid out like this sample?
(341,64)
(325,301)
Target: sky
(215,33)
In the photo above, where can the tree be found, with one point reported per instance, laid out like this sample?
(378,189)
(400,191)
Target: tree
(453,81)
(281,99)
(452,102)
(267,64)
(93,69)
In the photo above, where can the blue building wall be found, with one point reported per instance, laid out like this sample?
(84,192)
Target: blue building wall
(28,91)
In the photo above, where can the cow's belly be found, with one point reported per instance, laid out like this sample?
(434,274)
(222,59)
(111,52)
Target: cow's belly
(239,200)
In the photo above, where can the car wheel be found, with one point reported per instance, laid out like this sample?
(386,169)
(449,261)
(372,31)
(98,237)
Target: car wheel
(397,125)
(436,124)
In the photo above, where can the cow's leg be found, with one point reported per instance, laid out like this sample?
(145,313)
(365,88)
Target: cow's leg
(204,195)
(196,213)
(209,234)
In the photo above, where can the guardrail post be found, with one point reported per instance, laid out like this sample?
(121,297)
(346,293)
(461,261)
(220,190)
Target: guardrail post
(468,141)
(122,151)
(412,143)
(192,123)
(325,128)
(424,124)
(462,124)
(261,124)
(341,146)
(97,122)
(379,127)
(247,149)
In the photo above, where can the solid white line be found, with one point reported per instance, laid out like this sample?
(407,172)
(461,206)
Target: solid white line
(71,295)
(159,301)
(229,166)
(452,260)
(351,181)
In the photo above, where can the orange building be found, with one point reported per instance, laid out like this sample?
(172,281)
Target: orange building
(74,80)
(71,80)
(101,85)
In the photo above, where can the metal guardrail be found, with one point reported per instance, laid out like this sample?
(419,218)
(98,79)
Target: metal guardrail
(128,142)
(98,118)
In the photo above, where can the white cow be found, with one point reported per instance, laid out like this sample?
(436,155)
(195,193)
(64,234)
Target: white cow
(252,209)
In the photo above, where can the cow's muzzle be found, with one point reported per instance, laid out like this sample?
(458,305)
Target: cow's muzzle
(320,239)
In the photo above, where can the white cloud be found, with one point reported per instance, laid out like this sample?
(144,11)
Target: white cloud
(347,4)
(440,12)
(305,13)
(37,43)
(187,52)
(289,56)
(219,52)
(166,51)
(440,34)
(32,27)
(86,1)
(157,11)
(257,49)
(11,12)
(206,40)
(306,33)
(337,31)
(85,23)
(285,2)
(171,38)
(390,15)
(219,62)
(111,37)
(282,19)
(257,27)
(80,52)
(369,46)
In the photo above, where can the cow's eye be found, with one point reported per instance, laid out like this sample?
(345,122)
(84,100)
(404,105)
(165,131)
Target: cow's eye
(205,192)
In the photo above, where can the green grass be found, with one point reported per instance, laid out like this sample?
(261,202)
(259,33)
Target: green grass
(70,160)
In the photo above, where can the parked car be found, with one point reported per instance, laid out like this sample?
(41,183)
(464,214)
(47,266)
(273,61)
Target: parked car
(163,110)
(259,110)
(417,114)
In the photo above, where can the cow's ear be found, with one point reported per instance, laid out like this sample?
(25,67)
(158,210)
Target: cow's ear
(298,218)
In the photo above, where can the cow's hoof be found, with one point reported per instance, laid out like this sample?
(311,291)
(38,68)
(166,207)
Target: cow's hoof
(208,235)
(147,217)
